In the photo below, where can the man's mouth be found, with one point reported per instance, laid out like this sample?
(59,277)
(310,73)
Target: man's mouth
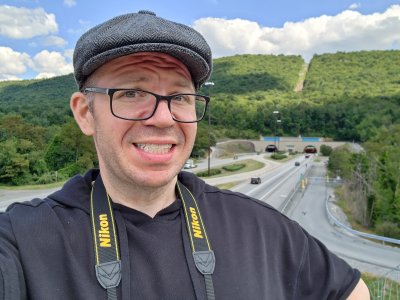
(155,148)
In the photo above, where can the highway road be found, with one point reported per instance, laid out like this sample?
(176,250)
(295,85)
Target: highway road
(308,210)
(8,197)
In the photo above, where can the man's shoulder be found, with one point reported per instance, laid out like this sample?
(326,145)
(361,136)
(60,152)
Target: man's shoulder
(73,194)
(34,203)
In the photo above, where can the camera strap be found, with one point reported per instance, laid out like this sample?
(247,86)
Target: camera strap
(105,239)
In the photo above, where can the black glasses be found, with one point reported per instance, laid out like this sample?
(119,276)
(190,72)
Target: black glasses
(136,105)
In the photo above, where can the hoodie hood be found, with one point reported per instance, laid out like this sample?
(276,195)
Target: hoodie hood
(76,192)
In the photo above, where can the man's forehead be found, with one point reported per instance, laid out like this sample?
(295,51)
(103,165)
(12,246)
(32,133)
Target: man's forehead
(152,59)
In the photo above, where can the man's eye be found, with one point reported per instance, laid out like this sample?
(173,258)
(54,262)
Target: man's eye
(178,98)
(131,94)
(182,98)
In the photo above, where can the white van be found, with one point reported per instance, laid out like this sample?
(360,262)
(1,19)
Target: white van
(189,164)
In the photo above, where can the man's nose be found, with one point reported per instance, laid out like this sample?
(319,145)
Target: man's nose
(162,116)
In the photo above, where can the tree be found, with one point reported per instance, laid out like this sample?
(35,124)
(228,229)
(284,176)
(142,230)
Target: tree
(325,150)
(203,140)
(339,162)
(14,167)
(71,151)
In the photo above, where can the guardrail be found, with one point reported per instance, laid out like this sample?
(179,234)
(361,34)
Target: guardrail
(336,222)
(285,204)
(332,219)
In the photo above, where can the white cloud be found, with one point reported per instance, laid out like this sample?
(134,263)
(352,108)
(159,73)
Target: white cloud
(12,63)
(4,77)
(69,3)
(53,40)
(25,23)
(355,6)
(347,31)
(69,53)
(49,64)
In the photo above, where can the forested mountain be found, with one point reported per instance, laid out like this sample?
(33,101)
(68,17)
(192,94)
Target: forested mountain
(357,74)
(346,96)
(40,102)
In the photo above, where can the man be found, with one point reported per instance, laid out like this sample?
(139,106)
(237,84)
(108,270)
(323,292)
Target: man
(139,228)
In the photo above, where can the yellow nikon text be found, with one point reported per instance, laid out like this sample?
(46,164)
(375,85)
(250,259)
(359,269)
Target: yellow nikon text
(195,224)
(104,232)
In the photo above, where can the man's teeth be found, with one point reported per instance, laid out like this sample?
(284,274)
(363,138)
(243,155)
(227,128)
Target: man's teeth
(155,148)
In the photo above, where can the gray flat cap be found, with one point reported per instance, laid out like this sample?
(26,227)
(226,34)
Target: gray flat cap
(141,32)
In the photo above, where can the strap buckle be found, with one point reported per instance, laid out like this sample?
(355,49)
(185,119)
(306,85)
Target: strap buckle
(205,261)
(109,274)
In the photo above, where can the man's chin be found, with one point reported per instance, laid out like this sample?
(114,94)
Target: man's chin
(158,179)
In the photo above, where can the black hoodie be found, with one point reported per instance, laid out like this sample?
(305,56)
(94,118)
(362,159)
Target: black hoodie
(46,250)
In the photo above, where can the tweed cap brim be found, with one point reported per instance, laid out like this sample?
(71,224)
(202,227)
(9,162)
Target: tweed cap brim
(141,32)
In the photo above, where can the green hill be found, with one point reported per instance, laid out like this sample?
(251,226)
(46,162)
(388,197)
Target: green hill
(356,74)
(248,74)
(42,102)
(346,96)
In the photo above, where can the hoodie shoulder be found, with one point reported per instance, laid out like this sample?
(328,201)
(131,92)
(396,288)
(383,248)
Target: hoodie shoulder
(75,193)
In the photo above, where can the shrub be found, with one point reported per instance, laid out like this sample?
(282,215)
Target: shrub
(233,168)
(212,173)
(278,156)
(325,150)
(388,229)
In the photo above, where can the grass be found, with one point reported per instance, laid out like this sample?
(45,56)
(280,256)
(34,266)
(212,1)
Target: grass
(32,186)
(289,157)
(237,147)
(228,185)
(375,285)
(250,165)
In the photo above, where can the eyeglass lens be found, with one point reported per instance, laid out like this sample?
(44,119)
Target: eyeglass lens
(134,104)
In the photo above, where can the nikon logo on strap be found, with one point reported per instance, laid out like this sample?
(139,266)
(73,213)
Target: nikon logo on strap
(203,255)
(197,233)
(105,240)
(104,231)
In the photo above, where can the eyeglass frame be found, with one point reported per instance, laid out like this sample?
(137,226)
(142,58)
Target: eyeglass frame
(111,91)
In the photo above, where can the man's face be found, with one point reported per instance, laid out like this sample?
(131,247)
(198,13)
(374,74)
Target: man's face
(147,153)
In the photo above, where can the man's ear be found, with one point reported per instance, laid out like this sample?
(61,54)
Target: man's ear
(80,108)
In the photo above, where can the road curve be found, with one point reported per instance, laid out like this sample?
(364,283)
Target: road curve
(308,210)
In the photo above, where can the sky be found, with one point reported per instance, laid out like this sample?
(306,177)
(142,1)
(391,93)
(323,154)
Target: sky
(37,37)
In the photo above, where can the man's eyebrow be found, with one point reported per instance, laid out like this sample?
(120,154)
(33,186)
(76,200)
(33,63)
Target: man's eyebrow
(130,80)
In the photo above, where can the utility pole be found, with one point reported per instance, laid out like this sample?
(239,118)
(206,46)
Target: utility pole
(209,84)
(275,112)
(279,121)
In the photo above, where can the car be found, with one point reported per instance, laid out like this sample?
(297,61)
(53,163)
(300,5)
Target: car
(255,180)
(307,155)
(297,163)
(189,164)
